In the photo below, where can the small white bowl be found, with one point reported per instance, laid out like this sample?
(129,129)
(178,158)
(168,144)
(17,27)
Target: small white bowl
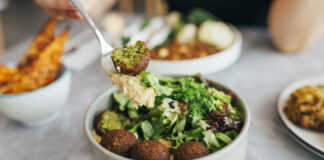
(40,106)
(233,151)
(205,65)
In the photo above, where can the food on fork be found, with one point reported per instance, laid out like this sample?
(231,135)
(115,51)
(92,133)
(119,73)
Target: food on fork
(132,59)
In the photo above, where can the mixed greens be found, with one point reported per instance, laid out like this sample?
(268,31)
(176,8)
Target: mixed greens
(186,109)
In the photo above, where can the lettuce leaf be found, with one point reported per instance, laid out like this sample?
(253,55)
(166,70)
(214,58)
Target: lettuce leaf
(150,80)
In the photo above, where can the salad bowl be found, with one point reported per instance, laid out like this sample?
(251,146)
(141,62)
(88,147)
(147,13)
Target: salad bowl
(236,150)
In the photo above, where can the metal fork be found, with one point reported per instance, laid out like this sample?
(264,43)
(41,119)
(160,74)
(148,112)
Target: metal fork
(106,49)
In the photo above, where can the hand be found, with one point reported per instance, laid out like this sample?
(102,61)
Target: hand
(65,9)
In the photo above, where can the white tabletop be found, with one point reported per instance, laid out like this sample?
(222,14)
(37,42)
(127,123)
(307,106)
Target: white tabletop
(258,77)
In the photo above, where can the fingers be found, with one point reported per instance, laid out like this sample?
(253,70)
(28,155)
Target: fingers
(60,14)
(55,4)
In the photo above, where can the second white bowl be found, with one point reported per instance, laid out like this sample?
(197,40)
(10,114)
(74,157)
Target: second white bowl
(205,65)
(40,106)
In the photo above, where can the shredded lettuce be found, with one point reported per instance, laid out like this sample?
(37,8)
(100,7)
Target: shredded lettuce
(210,139)
(122,100)
(150,80)
(147,129)
(223,137)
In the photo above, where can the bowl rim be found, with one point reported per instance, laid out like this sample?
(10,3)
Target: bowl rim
(237,41)
(224,150)
(66,70)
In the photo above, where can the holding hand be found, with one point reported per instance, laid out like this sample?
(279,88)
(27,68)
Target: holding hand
(65,9)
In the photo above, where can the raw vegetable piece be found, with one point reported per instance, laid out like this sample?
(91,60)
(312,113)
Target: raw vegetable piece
(147,129)
(132,59)
(194,134)
(210,140)
(41,41)
(180,126)
(176,141)
(135,127)
(223,137)
(150,80)
(196,113)
(220,95)
(122,100)
(232,134)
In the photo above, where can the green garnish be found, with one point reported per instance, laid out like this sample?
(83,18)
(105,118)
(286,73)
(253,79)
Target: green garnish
(145,23)
(124,40)
(199,16)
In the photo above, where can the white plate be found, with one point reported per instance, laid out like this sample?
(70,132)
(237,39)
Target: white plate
(312,140)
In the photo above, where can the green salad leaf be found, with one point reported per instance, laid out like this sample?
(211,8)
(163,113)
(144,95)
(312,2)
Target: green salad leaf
(210,139)
(223,137)
(122,100)
(150,80)
(147,129)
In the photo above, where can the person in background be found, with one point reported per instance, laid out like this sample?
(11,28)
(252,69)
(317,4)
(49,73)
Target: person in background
(294,25)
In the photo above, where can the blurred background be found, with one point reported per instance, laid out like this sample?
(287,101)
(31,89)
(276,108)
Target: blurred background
(20,18)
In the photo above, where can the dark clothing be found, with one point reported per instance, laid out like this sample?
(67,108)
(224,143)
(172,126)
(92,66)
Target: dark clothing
(238,12)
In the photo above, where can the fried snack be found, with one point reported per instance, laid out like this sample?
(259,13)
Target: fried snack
(306,107)
(41,71)
(42,40)
(132,59)
(5,73)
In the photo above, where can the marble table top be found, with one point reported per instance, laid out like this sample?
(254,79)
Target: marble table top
(258,76)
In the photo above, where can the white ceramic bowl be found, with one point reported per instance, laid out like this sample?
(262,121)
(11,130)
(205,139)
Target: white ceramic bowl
(234,151)
(40,106)
(205,65)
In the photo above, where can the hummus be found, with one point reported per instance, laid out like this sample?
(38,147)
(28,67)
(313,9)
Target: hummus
(131,87)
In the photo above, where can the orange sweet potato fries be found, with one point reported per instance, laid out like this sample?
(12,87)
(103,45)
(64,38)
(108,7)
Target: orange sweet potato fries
(40,64)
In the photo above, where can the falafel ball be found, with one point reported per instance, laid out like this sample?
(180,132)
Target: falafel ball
(119,141)
(150,150)
(190,150)
(131,59)
(107,120)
